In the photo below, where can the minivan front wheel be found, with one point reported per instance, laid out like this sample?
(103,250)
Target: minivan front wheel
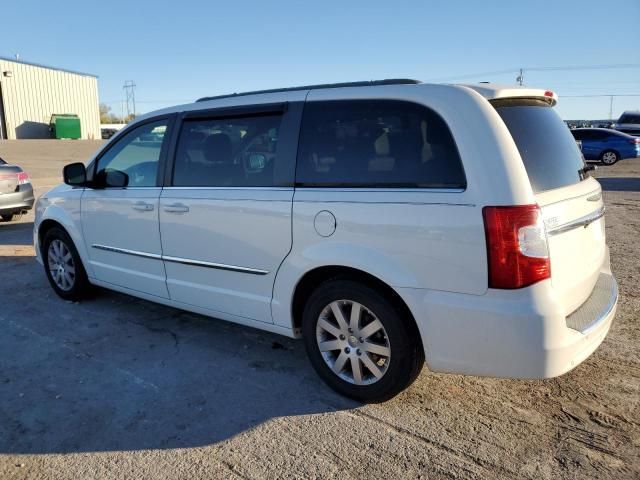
(609,157)
(358,341)
(63,265)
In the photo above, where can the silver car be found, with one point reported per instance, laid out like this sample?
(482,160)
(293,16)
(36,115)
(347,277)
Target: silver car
(629,122)
(16,192)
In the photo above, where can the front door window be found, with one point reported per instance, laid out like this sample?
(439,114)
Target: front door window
(136,155)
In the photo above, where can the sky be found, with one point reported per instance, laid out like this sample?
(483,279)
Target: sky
(178,51)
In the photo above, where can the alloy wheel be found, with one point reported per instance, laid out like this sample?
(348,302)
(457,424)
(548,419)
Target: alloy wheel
(353,342)
(609,158)
(61,266)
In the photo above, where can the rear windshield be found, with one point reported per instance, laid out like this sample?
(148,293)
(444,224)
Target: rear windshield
(549,152)
(629,118)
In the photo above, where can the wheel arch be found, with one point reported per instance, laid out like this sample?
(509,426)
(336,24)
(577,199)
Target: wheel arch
(56,216)
(614,150)
(314,277)
(46,225)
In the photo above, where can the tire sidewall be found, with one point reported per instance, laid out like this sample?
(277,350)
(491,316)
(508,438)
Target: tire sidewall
(81,283)
(398,374)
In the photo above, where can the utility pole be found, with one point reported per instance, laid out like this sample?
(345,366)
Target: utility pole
(130,95)
(520,78)
(611,108)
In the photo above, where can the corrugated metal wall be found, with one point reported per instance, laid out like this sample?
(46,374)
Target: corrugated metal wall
(31,94)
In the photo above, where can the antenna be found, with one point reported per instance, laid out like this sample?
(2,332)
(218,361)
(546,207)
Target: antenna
(130,96)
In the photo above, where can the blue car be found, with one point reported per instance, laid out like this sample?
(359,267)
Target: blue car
(605,145)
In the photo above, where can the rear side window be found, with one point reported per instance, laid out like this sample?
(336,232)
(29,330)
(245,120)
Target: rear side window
(549,152)
(376,143)
(227,152)
(629,118)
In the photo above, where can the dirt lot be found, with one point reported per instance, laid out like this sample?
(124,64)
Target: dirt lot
(120,388)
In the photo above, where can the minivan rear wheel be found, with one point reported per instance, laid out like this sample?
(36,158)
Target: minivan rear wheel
(609,157)
(358,341)
(63,265)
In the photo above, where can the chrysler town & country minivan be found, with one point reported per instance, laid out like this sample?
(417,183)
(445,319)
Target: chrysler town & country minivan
(389,224)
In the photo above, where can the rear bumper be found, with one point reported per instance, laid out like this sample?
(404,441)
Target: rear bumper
(510,334)
(16,201)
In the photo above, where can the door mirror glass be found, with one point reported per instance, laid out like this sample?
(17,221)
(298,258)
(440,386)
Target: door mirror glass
(75,174)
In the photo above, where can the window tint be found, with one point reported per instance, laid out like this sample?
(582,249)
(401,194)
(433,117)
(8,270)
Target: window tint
(592,135)
(549,152)
(579,134)
(363,143)
(629,118)
(227,152)
(137,154)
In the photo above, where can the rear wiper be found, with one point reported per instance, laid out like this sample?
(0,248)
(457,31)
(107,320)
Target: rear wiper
(586,169)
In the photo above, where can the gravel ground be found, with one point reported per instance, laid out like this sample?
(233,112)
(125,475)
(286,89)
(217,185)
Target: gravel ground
(117,387)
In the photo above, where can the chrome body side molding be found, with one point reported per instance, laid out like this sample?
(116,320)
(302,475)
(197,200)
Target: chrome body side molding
(184,261)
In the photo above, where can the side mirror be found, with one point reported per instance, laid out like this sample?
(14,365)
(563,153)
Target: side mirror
(75,174)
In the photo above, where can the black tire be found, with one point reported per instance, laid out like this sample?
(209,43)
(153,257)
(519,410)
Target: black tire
(7,217)
(609,157)
(80,287)
(406,357)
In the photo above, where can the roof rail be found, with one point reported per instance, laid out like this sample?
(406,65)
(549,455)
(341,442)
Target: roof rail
(370,83)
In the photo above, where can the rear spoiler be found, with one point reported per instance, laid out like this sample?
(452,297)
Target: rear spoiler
(495,92)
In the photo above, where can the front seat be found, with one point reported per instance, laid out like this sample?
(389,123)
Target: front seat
(221,170)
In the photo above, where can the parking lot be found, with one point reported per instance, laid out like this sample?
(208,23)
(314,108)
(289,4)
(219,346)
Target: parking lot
(117,387)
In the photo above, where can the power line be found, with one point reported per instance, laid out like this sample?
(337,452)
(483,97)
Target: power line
(614,66)
(110,102)
(602,95)
(585,67)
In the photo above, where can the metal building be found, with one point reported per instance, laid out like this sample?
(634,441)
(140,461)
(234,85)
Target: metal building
(31,93)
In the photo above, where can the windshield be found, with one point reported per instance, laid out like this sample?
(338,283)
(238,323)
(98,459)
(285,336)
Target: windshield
(548,150)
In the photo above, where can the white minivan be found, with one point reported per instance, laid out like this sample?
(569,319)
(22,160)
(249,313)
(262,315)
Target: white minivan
(387,223)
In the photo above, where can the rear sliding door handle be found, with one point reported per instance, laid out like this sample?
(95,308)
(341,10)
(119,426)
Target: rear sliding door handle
(143,206)
(176,208)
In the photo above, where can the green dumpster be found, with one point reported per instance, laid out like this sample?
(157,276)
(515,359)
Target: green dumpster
(65,125)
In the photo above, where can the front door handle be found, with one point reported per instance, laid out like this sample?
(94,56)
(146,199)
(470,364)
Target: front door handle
(143,206)
(176,208)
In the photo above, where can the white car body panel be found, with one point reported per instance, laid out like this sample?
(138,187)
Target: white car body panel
(427,245)
(578,254)
(104,214)
(248,228)
(61,204)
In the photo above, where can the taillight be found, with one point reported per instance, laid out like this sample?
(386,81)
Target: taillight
(517,249)
(23,177)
